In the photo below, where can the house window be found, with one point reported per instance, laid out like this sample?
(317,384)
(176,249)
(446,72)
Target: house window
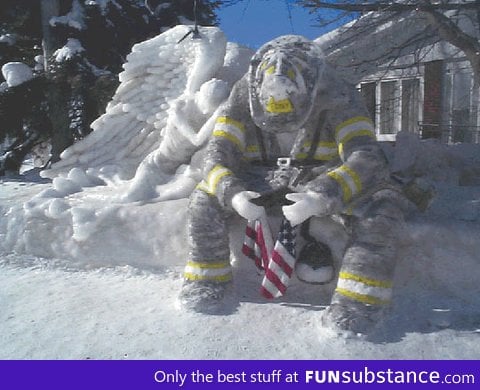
(388,104)
(410,105)
(432,104)
(368,93)
(394,105)
(461,108)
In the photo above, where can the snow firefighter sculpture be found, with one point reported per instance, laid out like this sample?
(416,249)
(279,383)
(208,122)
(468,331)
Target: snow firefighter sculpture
(292,105)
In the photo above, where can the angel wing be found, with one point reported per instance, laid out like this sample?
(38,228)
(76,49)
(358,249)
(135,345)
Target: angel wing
(173,169)
(161,100)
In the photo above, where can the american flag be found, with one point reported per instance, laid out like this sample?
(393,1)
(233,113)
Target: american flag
(277,261)
(254,246)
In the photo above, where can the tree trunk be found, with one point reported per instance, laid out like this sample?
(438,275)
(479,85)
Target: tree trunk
(58,90)
(49,9)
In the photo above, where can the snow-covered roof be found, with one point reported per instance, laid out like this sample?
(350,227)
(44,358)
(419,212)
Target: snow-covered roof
(379,39)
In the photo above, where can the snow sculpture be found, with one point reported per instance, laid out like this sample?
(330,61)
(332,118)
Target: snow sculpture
(159,115)
(87,228)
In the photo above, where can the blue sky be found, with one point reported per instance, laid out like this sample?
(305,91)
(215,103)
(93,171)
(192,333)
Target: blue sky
(254,22)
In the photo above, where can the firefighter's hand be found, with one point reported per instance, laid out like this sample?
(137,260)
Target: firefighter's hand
(246,209)
(306,205)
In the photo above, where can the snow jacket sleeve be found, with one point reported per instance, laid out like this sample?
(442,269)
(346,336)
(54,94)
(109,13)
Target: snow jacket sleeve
(225,149)
(363,163)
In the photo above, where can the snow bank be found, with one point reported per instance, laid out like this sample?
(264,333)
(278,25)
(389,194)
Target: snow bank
(90,229)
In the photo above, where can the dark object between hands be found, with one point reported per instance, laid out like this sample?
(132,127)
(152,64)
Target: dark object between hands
(273,198)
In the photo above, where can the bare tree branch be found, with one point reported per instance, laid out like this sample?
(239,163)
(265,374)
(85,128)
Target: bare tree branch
(389,6)
(449,31)
(443,15)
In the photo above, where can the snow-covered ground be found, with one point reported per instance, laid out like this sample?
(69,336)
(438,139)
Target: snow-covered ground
(91,261)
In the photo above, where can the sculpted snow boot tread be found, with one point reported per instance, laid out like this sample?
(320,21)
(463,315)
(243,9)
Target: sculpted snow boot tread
(352,316)
(207,297)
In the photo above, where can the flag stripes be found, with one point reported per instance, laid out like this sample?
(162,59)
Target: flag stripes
(278,262)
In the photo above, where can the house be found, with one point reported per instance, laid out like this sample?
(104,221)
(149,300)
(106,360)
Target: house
(411,79)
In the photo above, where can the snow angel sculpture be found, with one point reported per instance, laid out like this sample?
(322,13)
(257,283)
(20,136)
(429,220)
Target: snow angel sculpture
(293,128)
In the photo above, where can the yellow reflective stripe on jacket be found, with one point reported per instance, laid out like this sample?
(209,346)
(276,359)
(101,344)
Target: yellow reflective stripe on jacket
(325,151)
(354,127)
(230,129)
(363,289)
(213,179)
(229,121)
(348,180)
(211,271)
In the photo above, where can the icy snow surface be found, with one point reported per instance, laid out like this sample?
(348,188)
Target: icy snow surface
(90,271)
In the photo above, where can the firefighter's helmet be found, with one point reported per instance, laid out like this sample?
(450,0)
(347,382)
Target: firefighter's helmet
(284,76)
